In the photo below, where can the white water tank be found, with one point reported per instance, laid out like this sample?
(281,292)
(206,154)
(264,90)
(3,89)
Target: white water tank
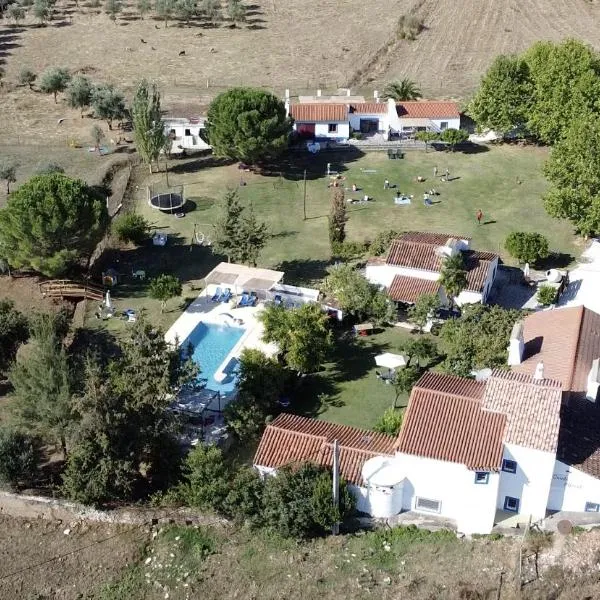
(383,481)
(553,276)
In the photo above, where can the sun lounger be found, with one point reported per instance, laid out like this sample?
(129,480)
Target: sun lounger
(253,299)
(278,300)
(218,293)
(225,296)
(245,299)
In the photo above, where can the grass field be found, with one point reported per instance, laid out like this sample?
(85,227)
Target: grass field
(347,391)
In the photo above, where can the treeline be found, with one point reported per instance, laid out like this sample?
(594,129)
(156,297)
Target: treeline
(185,11)
(550,94)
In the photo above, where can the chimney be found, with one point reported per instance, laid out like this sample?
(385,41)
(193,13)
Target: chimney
(347,91)
(539,372)
(318,93)
(376,96)
(516,346)
(287,94)
(593,381)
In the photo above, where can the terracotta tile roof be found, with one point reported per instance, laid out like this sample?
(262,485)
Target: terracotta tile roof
(290,438)
(532,408)
(428,237)
(567,340)
(416,250)
(319,111)
(410,289)
(452,428)
(451,384)
(369,108)
(428,110)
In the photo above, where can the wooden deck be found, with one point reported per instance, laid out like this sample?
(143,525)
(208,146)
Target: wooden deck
(65,288)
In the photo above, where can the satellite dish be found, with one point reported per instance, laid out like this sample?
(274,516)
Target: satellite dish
(564,527)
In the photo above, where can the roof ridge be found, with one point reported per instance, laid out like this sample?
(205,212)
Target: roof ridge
(580,325)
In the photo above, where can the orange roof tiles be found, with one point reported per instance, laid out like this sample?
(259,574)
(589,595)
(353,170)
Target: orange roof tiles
(319,111)
(452,428)
(290,439)
(452,385)
(424,109)
(428,237)
(369,108)
(410,289)
(532,408)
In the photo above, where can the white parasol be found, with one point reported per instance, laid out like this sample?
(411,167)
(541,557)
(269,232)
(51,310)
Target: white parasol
(390,361)
(107,302)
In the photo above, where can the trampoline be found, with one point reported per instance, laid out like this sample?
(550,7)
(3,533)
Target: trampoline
(167,202)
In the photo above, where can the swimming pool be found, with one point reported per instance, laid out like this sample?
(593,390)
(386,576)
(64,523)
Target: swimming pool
(212,343)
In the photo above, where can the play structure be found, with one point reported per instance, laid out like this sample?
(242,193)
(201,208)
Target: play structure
(169,200)
(64,288)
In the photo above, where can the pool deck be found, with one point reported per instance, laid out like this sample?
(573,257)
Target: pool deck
(205,311)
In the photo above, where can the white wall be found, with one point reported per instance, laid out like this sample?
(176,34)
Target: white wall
(381,118)
(471,505)
(191,142)
(572,488)
(466,297)
(531,483)
(343,131)
(452,123)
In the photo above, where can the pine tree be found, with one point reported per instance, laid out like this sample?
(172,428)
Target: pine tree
(254,238)
(228,228)
(337,218)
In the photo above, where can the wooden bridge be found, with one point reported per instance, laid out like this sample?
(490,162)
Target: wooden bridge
(65,288)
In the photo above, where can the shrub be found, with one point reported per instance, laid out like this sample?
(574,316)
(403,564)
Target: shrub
(19,457)
(409,27)
(348,250)
(382,241)
(26,77)
(163,288)
(546,295)
(527,247)
(244,500)
(390,422)
(48,169)
(131,227)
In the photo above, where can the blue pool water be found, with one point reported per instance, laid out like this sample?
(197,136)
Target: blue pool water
(212,343)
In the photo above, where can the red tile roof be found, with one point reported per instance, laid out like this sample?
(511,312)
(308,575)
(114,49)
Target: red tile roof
(428,237)
(319,111)
(369,108)
(452,385)
(424,109)
(452,428)
(291,439)
(410,289)
(567,340)
(532,408)
(417,250)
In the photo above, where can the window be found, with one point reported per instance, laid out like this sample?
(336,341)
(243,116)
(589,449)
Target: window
(187,132)
(172,132)
(428,505)
(592,507)
(332,128)
(443,125)
(511,504)
(509,466)
(482,477)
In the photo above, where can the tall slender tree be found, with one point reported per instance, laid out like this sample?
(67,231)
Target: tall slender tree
(337,218)
(148,127)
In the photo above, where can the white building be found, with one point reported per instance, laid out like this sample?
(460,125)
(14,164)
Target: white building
(186,134)
(413,266)
(519,445)
(337,117)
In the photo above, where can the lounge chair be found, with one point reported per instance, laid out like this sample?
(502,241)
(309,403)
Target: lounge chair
(253,299)
(225,296)
(278,300)
(218,293)
(245,299)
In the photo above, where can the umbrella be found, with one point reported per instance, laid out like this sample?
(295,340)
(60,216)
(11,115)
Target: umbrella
(526,270)
(107,302)
(390,361)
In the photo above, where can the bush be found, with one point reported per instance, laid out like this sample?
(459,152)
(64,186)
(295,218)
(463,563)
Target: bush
(390,422)
(48,169)
(409,27)
(546,295)
(131,227)
(244,500)
(348,250)
(382,241)
(527,247)
(19,457)
(26,77)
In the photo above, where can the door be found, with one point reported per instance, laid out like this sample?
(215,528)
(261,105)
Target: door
(306,130)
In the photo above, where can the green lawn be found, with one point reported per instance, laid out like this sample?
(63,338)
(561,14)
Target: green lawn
(348,391)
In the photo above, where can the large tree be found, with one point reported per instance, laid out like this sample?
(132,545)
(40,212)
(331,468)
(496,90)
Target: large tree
(79,93)
(503,99)
(51,222)
(573,170)
(423,310)
(302,335)
(13,332)
(527,247)
(248,124)
(453,276)
(565,85)
(42,383)
(54,80)
(237,232)
(148,126)
(356,295)
(108,103)
(404,89)
(477,339)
